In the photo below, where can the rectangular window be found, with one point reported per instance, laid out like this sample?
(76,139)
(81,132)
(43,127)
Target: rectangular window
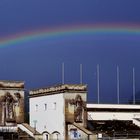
(45,106)
(36,107)
(54,105)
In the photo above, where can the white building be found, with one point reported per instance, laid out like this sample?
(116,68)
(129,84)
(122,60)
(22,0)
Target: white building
(59,112)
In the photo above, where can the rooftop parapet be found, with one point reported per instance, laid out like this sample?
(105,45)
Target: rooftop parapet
(59,89)
(11,84)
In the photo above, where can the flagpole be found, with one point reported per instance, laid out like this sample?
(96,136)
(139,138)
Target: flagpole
(98,83)
(134,90)
(63,73)
(81,73)
(118,85)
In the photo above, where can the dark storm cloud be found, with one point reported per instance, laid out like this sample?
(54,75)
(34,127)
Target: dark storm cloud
(40,64)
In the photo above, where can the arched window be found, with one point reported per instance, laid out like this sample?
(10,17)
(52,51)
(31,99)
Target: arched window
(46,135)
(56,135)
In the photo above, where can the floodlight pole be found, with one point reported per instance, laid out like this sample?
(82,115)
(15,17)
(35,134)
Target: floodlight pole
(81,73)
(63,73)
(98,83)
(134,87)
(118,85)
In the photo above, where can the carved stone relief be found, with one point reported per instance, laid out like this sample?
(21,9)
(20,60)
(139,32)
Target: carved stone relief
(78,108)
(9,106)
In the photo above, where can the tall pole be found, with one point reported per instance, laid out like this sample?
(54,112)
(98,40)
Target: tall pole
(81,73)
(63,73)
(98,83)
(134,88)
(118,85)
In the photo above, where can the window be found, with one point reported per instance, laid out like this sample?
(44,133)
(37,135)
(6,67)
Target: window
(46,136)
(36,107)
(45,106)
(54,105)
(56,135)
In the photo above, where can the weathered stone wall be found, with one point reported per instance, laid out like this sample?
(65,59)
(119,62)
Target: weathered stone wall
(11,103)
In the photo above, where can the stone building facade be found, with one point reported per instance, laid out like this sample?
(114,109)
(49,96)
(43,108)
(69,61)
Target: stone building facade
(59,112)
(11,108)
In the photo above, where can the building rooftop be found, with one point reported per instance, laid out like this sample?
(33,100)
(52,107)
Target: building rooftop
(11,84)
(112,106)
(59,89)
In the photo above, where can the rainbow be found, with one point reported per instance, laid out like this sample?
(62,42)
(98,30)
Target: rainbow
(97,29)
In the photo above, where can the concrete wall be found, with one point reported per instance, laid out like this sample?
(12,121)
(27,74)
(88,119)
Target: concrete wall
(113,115)
(113,106)
(47,114)
(96,112)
